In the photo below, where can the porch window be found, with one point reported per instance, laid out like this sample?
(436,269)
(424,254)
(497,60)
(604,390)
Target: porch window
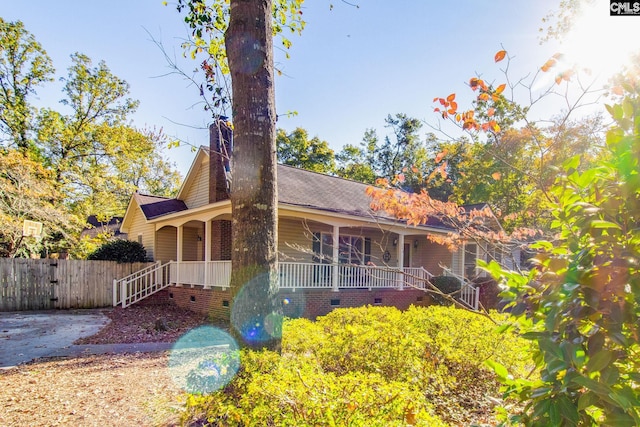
(470,258)
(322,248)
(352,249)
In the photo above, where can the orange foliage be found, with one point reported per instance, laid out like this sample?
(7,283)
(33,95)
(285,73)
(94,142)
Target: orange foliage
(419,208)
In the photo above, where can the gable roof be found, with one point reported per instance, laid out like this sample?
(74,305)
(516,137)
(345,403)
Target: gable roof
(296,187)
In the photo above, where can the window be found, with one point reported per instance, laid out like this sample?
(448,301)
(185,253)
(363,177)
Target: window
(351,249)
(140,238)
(322,248)
(470,257)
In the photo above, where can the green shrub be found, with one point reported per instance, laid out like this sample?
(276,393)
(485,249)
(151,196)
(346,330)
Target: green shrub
(294,391)
(440,350)
(121,251)
(369,366)
(447,285)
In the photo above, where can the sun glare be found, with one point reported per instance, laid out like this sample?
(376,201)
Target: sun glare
(599,43)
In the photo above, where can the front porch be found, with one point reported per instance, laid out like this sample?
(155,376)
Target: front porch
(212,275)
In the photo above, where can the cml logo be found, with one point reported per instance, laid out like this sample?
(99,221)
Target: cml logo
(620,8)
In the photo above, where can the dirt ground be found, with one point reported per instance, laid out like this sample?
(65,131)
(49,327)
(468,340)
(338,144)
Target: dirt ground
(102,390)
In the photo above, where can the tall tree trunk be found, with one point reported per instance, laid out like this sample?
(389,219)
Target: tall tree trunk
(256,319)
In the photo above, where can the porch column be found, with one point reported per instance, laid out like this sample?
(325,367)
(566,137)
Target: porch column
(335,276)
(208,234)
(400,249)
(180,252)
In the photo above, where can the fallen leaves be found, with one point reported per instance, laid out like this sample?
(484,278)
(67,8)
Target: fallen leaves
(105,390)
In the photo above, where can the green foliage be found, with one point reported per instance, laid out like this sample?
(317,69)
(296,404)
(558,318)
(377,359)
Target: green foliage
(24,65)
(209,22)
(296,149)
(404,154)
(581,305)
(121,251)
(86,162)
(27,193)
(447,285)
(374,366)
(87,245)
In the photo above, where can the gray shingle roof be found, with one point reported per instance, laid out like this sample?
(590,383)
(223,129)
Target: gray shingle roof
(314,190)
(303,188)
(154,206)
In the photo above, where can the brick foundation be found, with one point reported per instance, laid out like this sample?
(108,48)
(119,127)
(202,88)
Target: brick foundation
(308,303)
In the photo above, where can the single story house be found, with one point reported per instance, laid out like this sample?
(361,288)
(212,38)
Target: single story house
(333,250)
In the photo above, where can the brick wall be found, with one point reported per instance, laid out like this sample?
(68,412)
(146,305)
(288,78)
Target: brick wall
(221,245)
(309,303)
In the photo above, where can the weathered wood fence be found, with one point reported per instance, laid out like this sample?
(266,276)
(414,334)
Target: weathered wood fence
(42,284)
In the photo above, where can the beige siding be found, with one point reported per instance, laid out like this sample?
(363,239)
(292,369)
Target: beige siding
(457,262)
(295,241)
(139,229)
(167,244)
(429,255)
(198,192)
(192,248)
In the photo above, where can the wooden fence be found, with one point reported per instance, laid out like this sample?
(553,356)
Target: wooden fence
(43,284)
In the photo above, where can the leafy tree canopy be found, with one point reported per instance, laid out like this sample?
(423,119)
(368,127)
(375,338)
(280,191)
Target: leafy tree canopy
(88,159)
(296,149)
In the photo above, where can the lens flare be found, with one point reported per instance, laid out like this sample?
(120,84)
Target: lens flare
(204,360)
(253,315)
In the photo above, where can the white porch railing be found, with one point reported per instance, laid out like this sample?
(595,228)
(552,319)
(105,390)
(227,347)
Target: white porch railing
(469,293)
(416,277)
(293,275)
(297,275)
(201,273)
(141,284)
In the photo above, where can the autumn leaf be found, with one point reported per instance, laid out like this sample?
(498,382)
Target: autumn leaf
(473,83)
(491,111)
(483,97)
(500,55)
(501,88)
(401,177)
(451,97)
(617,90)
(547,65)
(496,176)
(441,155)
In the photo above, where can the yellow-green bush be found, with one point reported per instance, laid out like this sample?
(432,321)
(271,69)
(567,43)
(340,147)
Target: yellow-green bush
(369,366)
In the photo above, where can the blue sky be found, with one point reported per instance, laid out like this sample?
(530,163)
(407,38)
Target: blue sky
(350,68)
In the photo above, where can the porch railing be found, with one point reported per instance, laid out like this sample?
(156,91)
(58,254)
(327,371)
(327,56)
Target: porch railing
(469,293)
(141,284)
(207,274)
(292,275)
(296,275)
